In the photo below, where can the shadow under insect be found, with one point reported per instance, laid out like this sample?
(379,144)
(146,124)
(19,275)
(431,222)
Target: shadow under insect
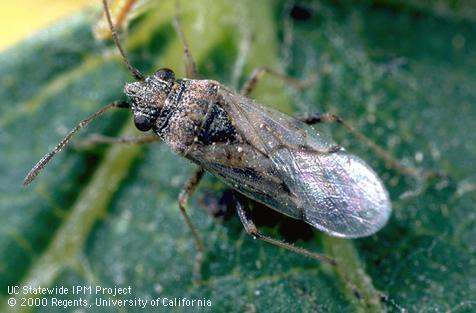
(222,206)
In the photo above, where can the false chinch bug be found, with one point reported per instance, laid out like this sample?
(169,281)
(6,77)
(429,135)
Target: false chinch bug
(263,154)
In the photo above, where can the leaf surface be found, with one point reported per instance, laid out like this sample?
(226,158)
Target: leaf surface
(108,216)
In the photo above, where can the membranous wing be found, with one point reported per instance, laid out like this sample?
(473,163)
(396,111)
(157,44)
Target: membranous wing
(288,166)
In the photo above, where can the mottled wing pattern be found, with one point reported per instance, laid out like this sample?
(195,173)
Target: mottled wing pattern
(337,193)
(248,171)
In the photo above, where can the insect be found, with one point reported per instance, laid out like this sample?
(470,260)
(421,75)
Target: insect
(261,153)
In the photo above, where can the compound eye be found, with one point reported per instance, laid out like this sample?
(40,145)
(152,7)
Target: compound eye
(165,74)
(142,122)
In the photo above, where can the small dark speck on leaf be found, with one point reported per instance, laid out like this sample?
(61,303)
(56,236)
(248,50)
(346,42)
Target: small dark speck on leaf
(220,207)
(300,13)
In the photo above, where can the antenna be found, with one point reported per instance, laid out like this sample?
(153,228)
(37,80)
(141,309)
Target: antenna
(46,159)
(135,72)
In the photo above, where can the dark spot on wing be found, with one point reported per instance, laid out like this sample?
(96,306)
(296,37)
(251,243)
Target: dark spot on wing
(217,127)
(285,188)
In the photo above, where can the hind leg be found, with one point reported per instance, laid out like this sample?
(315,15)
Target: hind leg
(252,230)
(389,159)
(258,74)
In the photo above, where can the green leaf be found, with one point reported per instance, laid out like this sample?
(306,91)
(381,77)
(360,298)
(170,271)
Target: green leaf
(108,216)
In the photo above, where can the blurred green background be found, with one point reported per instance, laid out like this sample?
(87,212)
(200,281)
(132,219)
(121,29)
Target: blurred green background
(20,19)
(402,72)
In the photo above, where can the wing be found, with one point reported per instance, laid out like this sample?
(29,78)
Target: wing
(340,194)
(337,193)
(247,170)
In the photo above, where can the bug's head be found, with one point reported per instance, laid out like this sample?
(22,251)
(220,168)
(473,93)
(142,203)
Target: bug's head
(147,97)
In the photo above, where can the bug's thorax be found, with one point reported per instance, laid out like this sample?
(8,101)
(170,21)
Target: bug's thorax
(181,111)
(188,115)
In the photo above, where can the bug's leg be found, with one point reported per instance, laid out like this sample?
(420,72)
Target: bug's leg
(98,139)
(252,230)
(390,160)
(190,66)
(186,192)
(259,72)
